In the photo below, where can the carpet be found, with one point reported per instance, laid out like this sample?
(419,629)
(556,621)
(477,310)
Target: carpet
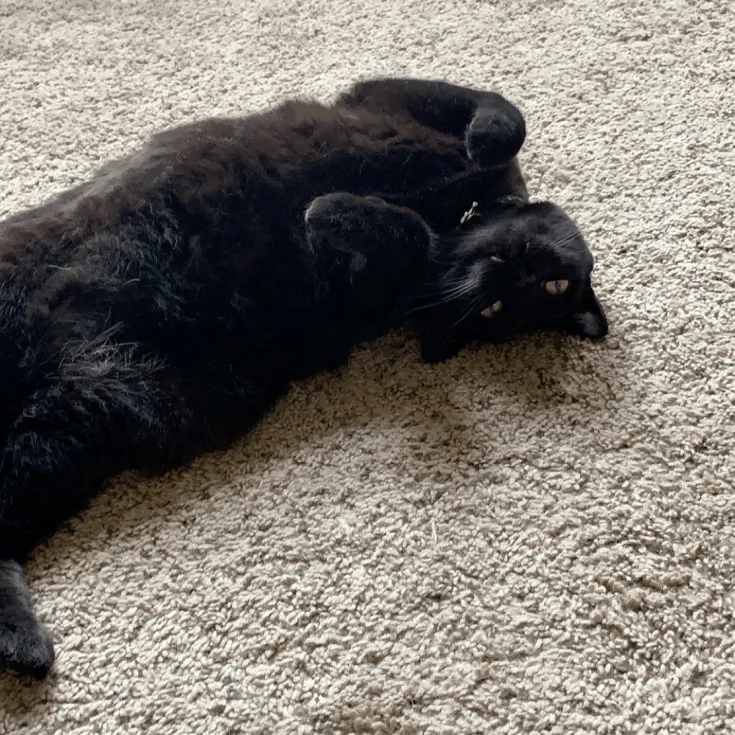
(535,538)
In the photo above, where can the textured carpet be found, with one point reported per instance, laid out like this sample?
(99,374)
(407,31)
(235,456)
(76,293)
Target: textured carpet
(534,538)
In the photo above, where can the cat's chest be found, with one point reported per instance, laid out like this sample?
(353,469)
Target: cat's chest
(398,168)
(366,153)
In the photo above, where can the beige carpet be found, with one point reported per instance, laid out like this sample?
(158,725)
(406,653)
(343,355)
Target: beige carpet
(538,538)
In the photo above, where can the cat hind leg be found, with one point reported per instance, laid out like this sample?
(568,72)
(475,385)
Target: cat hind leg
(110,406)
(495,135)
(26,647)
(493,128)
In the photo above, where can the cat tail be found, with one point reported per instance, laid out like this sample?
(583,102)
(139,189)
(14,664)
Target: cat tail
(26,647)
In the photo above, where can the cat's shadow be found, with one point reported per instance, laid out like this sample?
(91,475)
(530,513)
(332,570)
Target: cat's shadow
(540,372)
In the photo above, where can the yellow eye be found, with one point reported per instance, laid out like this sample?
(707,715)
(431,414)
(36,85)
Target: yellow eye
(492,310)
(556,288)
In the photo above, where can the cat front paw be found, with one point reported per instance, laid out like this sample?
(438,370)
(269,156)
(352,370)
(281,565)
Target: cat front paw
(363,224)
(495,136)
(26,647)
(334,217)
(326,212)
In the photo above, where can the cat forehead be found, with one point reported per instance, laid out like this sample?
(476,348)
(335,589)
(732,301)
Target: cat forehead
(549,235)
(545,219)
(571,256)
(560,253)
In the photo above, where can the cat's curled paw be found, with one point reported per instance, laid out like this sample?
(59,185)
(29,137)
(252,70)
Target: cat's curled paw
(327,213)
(495,135)
(26,647)
(362,224)
(335,218)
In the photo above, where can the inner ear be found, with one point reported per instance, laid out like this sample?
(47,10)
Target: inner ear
(589,320)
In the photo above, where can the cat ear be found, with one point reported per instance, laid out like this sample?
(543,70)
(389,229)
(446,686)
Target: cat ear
(589,321)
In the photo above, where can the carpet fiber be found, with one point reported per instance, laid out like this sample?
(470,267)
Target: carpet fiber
(533,538)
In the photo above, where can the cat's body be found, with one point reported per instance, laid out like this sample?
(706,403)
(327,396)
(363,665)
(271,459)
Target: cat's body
(158,310)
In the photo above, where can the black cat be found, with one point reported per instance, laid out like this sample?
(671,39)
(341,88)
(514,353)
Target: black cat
(160,309)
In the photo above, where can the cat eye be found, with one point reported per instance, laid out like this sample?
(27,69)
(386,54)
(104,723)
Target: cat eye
(492,310)
(556,288)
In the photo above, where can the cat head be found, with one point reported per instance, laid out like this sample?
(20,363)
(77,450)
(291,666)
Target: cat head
(514,267)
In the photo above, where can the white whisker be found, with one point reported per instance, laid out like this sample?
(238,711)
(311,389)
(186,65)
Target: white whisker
(474,305)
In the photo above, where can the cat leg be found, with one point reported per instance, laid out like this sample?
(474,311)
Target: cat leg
(109,407)
(494,129)
(25,645)
(389,245)
(367,225)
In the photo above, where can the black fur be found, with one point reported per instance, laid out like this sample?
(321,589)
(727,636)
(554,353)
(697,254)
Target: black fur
(160,309)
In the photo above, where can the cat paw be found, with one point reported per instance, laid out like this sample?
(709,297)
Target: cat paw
(328,218)
(361,224)
(26,647)
(495,136)
(328,214)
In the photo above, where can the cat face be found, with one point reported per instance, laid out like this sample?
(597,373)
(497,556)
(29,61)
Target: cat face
(515,267)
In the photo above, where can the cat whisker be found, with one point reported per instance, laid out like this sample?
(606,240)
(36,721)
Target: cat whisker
(446,285)
(453,288)
(460,290)
(430,305)
(565,240)
(474,305)
(444,297)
